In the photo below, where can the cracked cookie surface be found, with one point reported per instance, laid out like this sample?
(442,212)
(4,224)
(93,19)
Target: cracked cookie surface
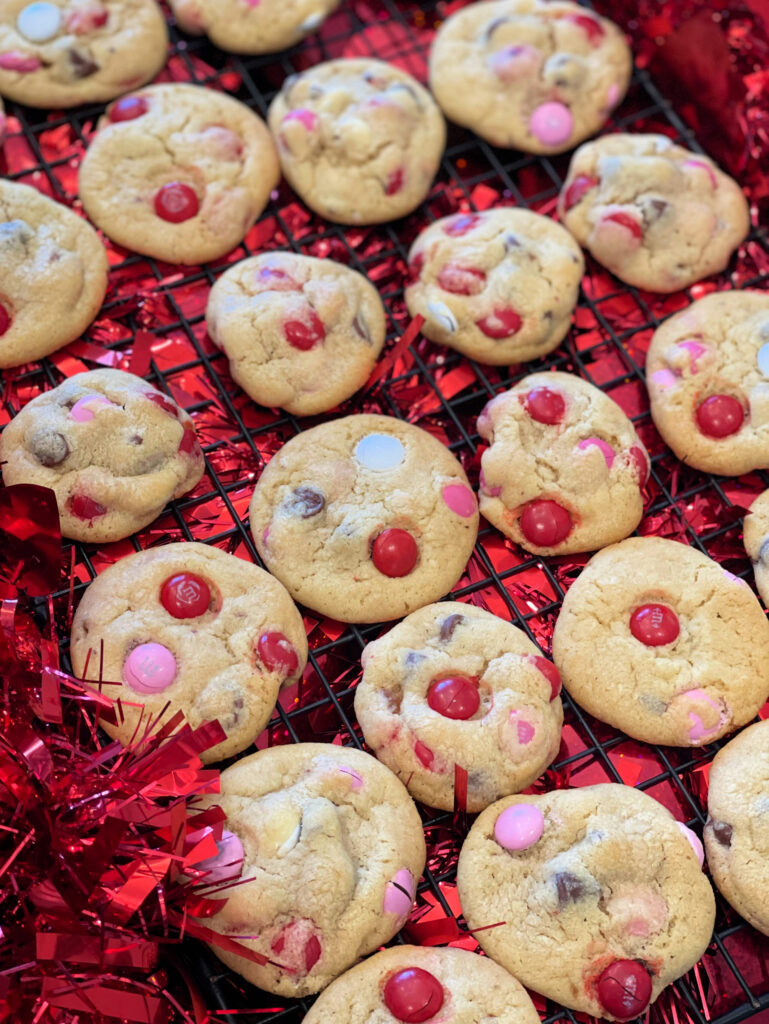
(178,172)
(737,829)
(53,274)
(187,627)
(455,685)
(499,286)
(707,371)
(364,518)
(359,140)
(300,333)
(332,849)
(605,875)
(471,988)
(112,448)
(565,467)
(756,535)
(256,26)
(539,77)
(656,215)
(658,640)
(62,53)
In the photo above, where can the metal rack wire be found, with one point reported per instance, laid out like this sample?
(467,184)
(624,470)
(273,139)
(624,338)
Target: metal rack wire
(605,347)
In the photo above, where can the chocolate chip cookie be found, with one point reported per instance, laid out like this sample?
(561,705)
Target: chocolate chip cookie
(565,467)
(300,333)
(596,896)
(53,274)
(113,449)
(256,26)
(178,172)
(498,286)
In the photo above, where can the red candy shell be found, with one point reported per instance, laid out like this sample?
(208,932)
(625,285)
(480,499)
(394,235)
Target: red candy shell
(394,553)
(83,507)
(720,416)
(306,333)
(624,989)
(550,672)
(454,697)
(128,108)
(176,202)
(277,653)
(654,625)
(413,995)
(185,596)
(545,523)
(578,188)
(502,323)
(5,320)
(545,405)
(461,280)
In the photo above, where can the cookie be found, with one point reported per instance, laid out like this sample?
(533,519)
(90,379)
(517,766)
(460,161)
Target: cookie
(61,53)
(565,468)
(596,896)
(756,529)
(414,983)
(266,26)
(707,370)
(359,140)
(658,640)
(498,286)
(53,274)
(186,627)
(737,829)
(455,686)
(539,77)
(113,449)
(654,214)
(178,172)
(365,518)
(300,333)
(329,848)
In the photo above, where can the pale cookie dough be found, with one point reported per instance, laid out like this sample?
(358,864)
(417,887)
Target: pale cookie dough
(455,686)
(186,627)
(393,983)
(365,518)
(359,140)
(658,640)
(707,371)
(113,449)
(330,848)
(654,214)
(565,468)
(539,77)
(53,274)
(178,172)
(599,891)
(301,334)
(253,26)
(756,531)
(498,286)
(61,53)
(737,830)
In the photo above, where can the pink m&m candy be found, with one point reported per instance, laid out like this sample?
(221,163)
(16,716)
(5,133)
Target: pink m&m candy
(461,280)
(603,446)
(694,841)
(551,123)
(228,862)
(696,351)
(459,499)
(86,408)
(149,668)
(460,225)
(305,117)
(519,827)
(399,893)
(641,461)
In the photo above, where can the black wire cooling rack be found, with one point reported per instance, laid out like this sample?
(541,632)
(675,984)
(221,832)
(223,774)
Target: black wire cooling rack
(606,346)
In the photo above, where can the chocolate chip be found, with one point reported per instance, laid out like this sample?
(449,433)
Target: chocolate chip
(723,832)
(49,447)
(307,502)
(361,328)
(414,658)
(511,242)
(763,555)
(653,210)
(569,888)
(82,65)
(15,232)
(136,439)
(492,27)
(449,624)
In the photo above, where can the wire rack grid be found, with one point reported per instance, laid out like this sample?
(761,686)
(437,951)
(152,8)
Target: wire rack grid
(435,388)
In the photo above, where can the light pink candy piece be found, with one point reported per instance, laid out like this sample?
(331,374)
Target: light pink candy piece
(525,729)
(664,379)
(227,865)
(356,779)
(265,535)
(304,116)
(149,668)
(612,96)
(735,579)
(82,411)
(519,827)
(253,3)
(551,123)
(493,492)
(703,167)
(514,62)
(21,62)
(399,893)
(696,351)
(460,499)
(694,842)
(698,731)
(605,448)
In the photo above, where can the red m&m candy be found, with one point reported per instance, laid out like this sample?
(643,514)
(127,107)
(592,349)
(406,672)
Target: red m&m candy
(394,182)
(550,672)
(176,202)
(641,462)
(413,995)
(461,280)
(454,697)
(720,416)
(624,989)
(593,29)
(5,320)
(394,552)
(128,108)
(277,653)
(627,221)
(578,188)
(185,596)
(306,333)
(83,507)
(654,625)
(545,405)
(502,323)
(545,523)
